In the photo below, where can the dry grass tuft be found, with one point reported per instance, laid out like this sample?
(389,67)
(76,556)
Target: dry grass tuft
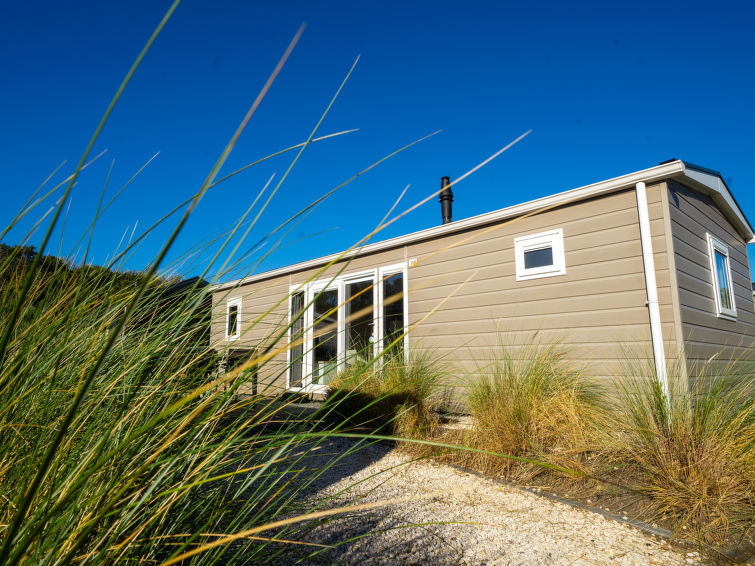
(398,398)
(532,405)
(692,456)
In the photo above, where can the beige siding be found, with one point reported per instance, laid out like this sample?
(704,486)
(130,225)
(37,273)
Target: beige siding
(597,309)
(706,335)
(264,307)
(464,298)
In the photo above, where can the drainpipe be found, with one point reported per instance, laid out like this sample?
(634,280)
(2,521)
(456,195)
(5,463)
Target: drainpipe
(652,289)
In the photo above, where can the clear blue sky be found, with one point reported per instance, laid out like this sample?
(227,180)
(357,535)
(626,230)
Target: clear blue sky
(607,88)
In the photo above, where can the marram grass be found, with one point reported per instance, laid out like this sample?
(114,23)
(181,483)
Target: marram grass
(692,455)
(147,465)
(391,395)
(531,402)
(119,440)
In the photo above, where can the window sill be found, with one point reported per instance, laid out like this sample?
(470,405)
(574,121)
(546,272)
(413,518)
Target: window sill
(527,276)
(726,316)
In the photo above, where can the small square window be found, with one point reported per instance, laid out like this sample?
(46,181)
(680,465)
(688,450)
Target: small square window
(721,278)
(233,319)
(540,255)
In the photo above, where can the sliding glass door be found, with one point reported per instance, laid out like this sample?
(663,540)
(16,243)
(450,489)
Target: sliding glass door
(359,321)
(341,322)
(393,313)
(325,336)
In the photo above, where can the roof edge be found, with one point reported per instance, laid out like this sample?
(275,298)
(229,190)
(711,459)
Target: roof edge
(672,169)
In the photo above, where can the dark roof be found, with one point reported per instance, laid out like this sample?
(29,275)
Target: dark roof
(693,166)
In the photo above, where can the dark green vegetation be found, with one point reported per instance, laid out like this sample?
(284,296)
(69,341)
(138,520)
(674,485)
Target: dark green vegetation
(152,455)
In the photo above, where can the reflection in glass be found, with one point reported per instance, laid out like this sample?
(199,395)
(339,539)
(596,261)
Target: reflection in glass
(359,324)
(393,311)
(538,258)
(325,342)
(723,281)
(297,330)
(233,320)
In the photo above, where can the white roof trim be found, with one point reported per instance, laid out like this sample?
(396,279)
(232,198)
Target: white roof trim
(719,192)
(674,169)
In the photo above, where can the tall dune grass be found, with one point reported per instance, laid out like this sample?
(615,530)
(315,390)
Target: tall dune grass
(119,441)
(532,403)
(154,460)
(692,454)
(392,396)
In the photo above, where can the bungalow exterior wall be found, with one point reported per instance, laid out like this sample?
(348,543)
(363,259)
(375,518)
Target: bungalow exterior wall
(464,294)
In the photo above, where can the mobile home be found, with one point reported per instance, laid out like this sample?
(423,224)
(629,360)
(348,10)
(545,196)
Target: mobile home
(653,261)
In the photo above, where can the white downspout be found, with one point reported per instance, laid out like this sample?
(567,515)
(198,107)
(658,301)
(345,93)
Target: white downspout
(656,333)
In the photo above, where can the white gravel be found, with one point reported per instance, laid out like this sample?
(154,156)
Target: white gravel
(452,517)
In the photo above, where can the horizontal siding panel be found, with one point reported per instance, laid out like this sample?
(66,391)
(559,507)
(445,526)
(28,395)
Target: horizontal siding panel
(473,307)
(695,318)
(713,337)
(577,352)
(488,335)
(423,277)
(698,241)
(490,289)
(435,323)
(700,210)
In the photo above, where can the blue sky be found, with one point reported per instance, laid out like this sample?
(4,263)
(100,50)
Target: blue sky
(607,88)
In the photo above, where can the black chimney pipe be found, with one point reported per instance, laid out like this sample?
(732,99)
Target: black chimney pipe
(446,197)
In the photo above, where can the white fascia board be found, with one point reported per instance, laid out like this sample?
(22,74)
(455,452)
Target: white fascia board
(718,190)
(658,173)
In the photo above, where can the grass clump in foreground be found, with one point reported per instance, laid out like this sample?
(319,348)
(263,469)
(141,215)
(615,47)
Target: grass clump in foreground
(149,461)
(390,395)
(116,442)
(692,455)
(532,404)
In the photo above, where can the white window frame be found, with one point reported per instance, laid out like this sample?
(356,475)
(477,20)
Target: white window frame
(312,288)
(384,273)
(292,290)
(553,239)
(369,275)
(716,245)
(234,301)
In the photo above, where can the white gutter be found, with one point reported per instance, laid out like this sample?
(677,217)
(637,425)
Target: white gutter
(651,175)
(675,169)
(656,334)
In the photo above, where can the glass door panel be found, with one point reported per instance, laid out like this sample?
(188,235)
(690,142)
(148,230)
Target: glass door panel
(359,323)
(325,337)
(296,350)
(393,312)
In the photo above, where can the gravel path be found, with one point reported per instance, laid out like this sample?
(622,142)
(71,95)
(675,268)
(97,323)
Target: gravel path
(451,517)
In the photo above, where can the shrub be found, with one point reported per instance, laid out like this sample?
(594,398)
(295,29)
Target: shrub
(394,396)
(531,403)
(692,454)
